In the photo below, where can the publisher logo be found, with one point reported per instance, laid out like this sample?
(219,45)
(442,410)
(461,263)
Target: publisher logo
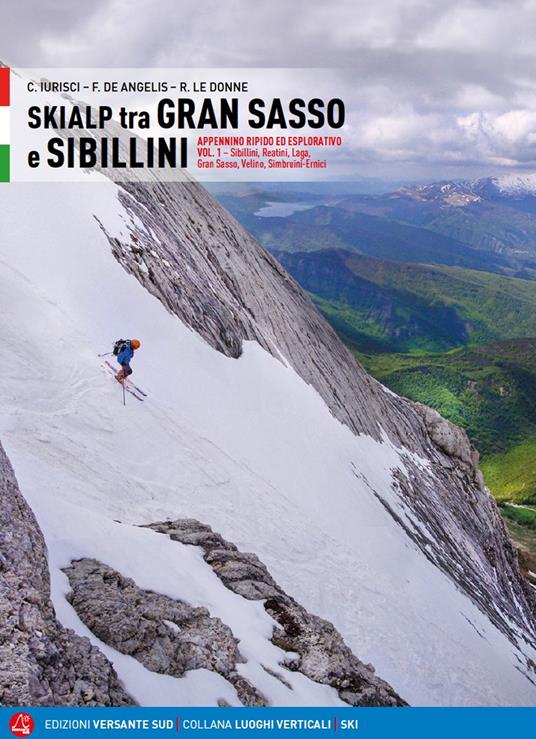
(21,724)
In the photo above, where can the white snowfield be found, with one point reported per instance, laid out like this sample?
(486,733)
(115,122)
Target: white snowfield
(516,184)
(243,445)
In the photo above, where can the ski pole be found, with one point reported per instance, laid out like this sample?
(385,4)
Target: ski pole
(106,354)
(124,398)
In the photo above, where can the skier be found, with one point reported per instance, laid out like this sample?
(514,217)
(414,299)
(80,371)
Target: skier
(124,351)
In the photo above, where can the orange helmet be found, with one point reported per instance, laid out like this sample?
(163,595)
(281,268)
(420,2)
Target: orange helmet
(135,343)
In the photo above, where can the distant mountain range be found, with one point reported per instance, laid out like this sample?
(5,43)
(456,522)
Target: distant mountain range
(496,216)
(487,224)
(514,186)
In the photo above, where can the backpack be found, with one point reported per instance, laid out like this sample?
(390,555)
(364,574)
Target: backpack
(119,345)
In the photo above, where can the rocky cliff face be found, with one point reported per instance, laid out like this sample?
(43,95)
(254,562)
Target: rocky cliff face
(192,255)
(206,269)
(171,637)
(166,636)
(41,663)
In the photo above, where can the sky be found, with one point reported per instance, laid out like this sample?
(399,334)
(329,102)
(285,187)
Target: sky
(439,89)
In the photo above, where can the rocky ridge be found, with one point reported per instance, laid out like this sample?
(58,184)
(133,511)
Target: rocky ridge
(41,662)
(319,651)
(167,636)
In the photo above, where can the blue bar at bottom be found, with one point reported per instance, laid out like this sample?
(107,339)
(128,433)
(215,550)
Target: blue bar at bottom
(198,723)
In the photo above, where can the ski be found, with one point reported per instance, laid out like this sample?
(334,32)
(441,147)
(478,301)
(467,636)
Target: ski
(136,388)
(111,370)
(132,392)
(128,382)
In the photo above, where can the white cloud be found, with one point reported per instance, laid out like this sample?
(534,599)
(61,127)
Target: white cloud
(432,83)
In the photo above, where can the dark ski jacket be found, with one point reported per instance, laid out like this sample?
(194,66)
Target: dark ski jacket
(126,354)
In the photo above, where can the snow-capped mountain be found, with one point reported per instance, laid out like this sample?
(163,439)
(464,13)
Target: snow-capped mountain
(365,516)
(515,184)
(466,192)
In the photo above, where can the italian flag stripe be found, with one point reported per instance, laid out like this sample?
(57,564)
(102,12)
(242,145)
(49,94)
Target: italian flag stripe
(4,163)
(4,86)
(4,124)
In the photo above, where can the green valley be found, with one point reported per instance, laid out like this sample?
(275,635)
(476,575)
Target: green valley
(404,307)
(490,390)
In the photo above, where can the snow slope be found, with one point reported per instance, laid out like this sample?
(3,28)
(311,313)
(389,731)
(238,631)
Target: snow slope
(242,444)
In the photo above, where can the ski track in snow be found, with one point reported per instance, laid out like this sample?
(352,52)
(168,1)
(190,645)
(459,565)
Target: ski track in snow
(244,445)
